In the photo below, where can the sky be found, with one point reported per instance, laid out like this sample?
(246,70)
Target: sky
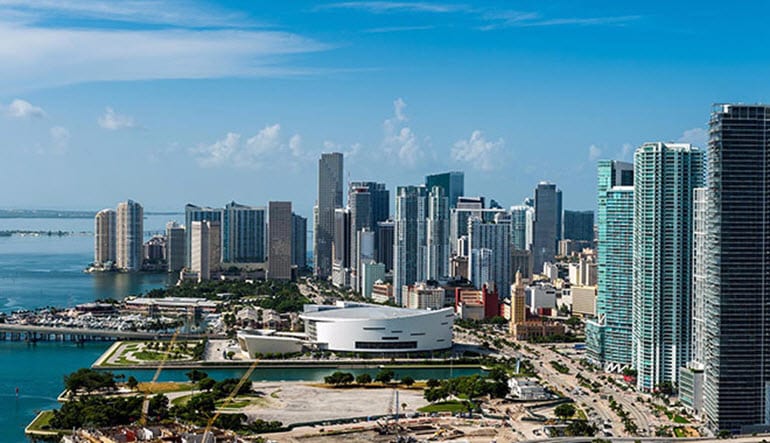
(169,102)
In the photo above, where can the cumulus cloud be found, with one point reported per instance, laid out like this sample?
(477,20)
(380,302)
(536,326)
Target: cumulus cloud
(60,138)
(481,153)
(19,108)
(627,152)
(696,136)
(266,146)
(400,140)
(594,152)
(113,121)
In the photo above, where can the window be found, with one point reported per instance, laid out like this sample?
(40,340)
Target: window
(386,345)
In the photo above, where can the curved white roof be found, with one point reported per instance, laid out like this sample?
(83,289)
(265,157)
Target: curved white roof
(367,312)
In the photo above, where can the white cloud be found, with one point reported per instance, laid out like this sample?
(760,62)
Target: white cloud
(399,139)
(594,152)
(696,136)
(113,121)
(60,138)
(481,153)
(38,57)
(266,147)
(382,7)
(627,152)
(22,109)
(509,19)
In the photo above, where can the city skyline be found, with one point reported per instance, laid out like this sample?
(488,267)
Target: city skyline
(376,80)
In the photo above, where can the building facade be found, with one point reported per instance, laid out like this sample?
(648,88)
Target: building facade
(453,184)
(409,238)
(175,247)
(547,224)
(243,234)
(298,241)
(105,237)
(665,175)
(608,336)
(330,180)
(496,238)
(437,240)
(578,225)
(279,240)
(129,236)
(194,213)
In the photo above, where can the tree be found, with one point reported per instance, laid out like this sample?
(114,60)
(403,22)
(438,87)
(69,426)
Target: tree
(89,380)
(433,383)
(206,384)
(196,375)
(578,428)
(364,379)
(408,381)
(385,376)
(132,382)
(158,407)
(565,411)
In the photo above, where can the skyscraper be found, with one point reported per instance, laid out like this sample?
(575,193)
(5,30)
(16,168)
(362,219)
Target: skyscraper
(737,290)
(330,178)
(104,237)
(409,238)
(175,246)
(243,234)
(341,248)
(608,336)
(522,218)
(197,213)
(665,175)
(129,236)
(578,225)
(453,184)
(279,241)
(360,204)
(437,240)
(299,241)
(496,238)
(384,240)
(547,224)
(200,252)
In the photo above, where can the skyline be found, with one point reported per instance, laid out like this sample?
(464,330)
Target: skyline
(510,97)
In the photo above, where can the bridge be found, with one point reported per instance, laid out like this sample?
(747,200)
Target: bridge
(34,333)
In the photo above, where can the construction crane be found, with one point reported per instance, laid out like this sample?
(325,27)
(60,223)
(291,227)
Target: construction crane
(232,395)
(146,402)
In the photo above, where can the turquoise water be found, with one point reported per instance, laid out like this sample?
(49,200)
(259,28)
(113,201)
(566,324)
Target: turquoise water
(48,271)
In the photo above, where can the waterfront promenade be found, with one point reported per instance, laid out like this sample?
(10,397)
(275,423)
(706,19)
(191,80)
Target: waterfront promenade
(20,332)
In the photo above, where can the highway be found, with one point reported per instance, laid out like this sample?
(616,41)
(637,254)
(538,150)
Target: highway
(133,335)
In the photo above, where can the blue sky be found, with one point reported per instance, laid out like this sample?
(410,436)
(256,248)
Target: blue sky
(172,102)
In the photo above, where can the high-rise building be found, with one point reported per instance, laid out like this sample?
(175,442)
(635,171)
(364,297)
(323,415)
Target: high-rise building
(341,248)
(384,238)
(691,376)
(578,225)
(458,224)
(547,225)
(437,240)
(665,175)
(104,237)
(453,184)
(360,204)
(608,336)
(200,253)
(518,302)
(175,246)
(299,241)
(495,237)
(279,241)
(522,218)
(129,236)
(243,234)
(737,291)
(330,179)
(197,213)
(379,199)
(409,238)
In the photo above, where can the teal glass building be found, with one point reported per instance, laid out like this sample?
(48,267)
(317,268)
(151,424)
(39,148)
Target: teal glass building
(608,336)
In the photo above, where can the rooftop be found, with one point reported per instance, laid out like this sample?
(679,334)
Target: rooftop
(361,311)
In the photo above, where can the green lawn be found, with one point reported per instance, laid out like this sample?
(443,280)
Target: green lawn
(41,422)
(181,401)
(680,419)
(679,432)
(452,406)
(156,356)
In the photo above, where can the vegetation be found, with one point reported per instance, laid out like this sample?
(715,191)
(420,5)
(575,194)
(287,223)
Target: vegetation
(559,367)
(385,376)
(364,379)
(96,411)
(453,406)
(494,384)
(565,411)
(275,295)
(89,380)
(578,428)
(339,378)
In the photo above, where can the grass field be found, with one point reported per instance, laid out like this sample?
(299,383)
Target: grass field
(453,406)
(164,387)
(41,422)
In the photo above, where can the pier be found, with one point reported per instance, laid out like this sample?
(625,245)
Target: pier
(35,333)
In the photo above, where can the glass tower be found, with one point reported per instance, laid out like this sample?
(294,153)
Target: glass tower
(665,175)
(608,336)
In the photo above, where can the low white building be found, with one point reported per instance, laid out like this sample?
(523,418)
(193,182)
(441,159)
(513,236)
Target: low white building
(526,389)
(268,341)
(360,327)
